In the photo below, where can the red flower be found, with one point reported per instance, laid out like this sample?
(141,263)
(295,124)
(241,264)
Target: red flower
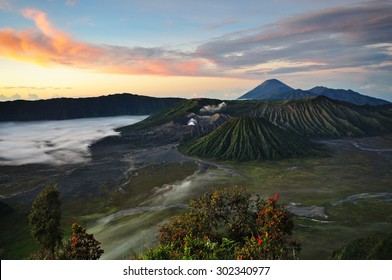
(259,240)
(276,196)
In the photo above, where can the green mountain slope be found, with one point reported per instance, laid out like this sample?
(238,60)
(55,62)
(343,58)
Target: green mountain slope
(311,117)
(173,113)
(323,117)
(245,139)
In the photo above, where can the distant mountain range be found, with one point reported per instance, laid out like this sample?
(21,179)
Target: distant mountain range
(348,96)
(132,104)
(73,108)
(276,90)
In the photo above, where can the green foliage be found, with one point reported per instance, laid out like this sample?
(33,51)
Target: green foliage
(246,139)
(223,213)
(45,222)
(194,248)
(81,245)
(375,247)
(228,223)
(273,224)
(45,225)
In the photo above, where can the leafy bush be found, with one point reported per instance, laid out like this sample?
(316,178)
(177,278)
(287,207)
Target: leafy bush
(228,223)
(81,245)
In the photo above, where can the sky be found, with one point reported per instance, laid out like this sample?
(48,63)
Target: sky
(216,49)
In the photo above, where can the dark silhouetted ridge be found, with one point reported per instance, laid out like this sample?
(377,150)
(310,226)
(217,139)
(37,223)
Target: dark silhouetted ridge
(73,108)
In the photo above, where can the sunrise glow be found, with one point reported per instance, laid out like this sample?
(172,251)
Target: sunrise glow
(54,48)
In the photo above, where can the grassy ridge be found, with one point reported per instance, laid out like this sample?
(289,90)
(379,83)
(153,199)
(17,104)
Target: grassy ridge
(172,113)
(311,117)
(246,138)
(274,129)
(322,117)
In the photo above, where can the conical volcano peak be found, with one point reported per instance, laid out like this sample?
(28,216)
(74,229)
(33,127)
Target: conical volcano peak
(276,85)
(273,82)
(267,90)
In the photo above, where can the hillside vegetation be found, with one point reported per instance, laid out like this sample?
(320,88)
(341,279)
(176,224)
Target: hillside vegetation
(311,117)
(323,117)
(258,130)
(173,113)
(375,247)
(246,138)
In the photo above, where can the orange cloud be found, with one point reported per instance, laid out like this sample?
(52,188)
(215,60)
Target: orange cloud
(49,46)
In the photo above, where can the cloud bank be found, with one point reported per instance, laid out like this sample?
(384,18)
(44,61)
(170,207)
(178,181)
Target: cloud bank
(55,142)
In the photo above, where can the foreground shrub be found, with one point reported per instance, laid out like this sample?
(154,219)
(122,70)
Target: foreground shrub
(81,245)
(228,223)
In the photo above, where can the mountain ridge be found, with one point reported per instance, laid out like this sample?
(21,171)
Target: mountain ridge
(88,107)
(348,96)
(317,116)
(276,90)
(323,117)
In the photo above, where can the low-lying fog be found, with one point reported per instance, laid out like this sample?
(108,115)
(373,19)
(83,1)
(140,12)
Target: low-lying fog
(55,142)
